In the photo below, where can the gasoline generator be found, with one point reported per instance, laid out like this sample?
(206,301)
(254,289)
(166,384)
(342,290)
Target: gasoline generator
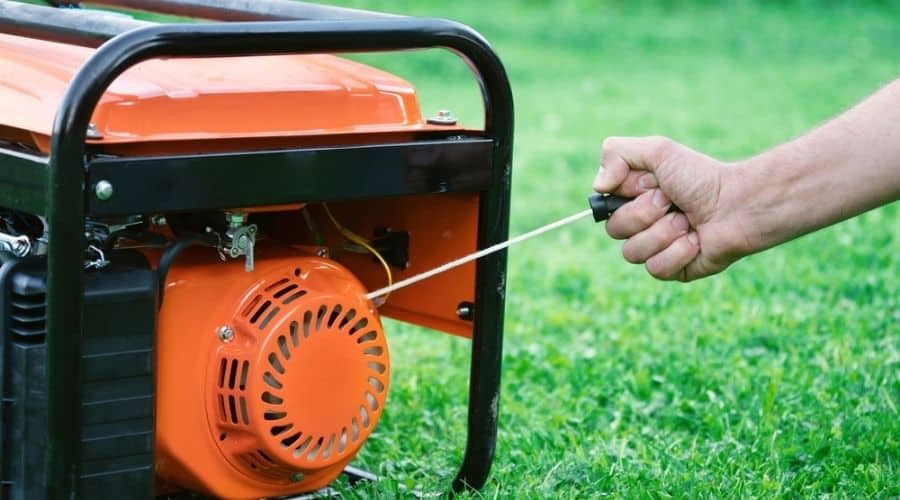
(193,219)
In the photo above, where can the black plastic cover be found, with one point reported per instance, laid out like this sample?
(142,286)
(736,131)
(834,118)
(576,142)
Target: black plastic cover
(116,455)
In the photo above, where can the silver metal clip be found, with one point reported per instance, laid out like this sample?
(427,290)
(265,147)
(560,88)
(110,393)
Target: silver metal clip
(19,246)
(100,262)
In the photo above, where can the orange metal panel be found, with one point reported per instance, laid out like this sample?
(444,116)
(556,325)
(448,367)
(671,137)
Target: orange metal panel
(189,99)
(441,228)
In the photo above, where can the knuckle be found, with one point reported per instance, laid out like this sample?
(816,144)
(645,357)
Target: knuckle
(695,271)
(609,144)
(661,148)
(647,216)
(678,223)
(658,142)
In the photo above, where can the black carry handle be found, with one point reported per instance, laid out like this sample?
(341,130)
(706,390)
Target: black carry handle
(603,205)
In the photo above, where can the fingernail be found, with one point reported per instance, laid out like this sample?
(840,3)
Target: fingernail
(660,199)
(694,238)
(680,222)
(647,181)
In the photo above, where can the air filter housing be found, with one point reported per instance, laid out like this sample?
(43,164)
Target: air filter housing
(295,369)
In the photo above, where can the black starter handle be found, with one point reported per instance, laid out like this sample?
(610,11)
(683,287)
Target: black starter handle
(603,205)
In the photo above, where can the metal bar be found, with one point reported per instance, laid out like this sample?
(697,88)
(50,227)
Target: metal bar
(204,182)
(246,10)
(72,26)
(490,292)
(91,28)
(356,475)
(66,207)
(23,181)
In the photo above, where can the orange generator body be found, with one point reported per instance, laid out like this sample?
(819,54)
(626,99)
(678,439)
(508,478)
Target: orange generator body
(192,218)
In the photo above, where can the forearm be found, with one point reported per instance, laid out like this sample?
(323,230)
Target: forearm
(843,168)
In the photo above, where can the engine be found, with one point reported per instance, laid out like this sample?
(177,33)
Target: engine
(268,382)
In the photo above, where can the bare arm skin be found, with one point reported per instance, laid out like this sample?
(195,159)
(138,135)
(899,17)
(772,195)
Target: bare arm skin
(845,167)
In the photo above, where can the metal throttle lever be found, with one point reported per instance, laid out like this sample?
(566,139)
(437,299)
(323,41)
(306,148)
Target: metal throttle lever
(603,205)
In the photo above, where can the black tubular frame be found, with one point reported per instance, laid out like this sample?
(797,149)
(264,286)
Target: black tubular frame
(66,193)
(68,26)
(236,10)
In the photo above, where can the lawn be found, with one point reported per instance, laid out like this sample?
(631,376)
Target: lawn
(780,377)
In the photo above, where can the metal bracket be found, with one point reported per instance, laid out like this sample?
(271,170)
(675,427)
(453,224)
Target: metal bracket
(19,246)
(241,239)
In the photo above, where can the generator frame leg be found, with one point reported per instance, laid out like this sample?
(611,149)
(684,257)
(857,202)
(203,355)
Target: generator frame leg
(63,180)
(487,340)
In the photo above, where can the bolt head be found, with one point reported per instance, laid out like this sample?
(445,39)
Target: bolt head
(93,133)
(225,333)
(464,312)
(103,190)
(444,117)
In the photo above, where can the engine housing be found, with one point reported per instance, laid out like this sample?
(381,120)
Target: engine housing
(268,382)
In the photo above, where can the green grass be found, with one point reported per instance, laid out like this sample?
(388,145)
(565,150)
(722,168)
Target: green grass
(780,377)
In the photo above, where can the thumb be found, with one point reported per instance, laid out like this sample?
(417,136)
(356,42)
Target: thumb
(621,155)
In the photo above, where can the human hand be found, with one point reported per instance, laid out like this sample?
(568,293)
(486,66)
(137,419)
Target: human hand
(702,238)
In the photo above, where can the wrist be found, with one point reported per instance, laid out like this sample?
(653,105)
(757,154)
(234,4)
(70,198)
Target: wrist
(750,201)
(772,188)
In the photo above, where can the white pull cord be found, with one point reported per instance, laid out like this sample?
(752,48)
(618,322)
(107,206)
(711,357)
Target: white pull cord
(477,255)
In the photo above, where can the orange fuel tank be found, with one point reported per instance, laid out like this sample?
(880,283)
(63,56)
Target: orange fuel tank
(183,100)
